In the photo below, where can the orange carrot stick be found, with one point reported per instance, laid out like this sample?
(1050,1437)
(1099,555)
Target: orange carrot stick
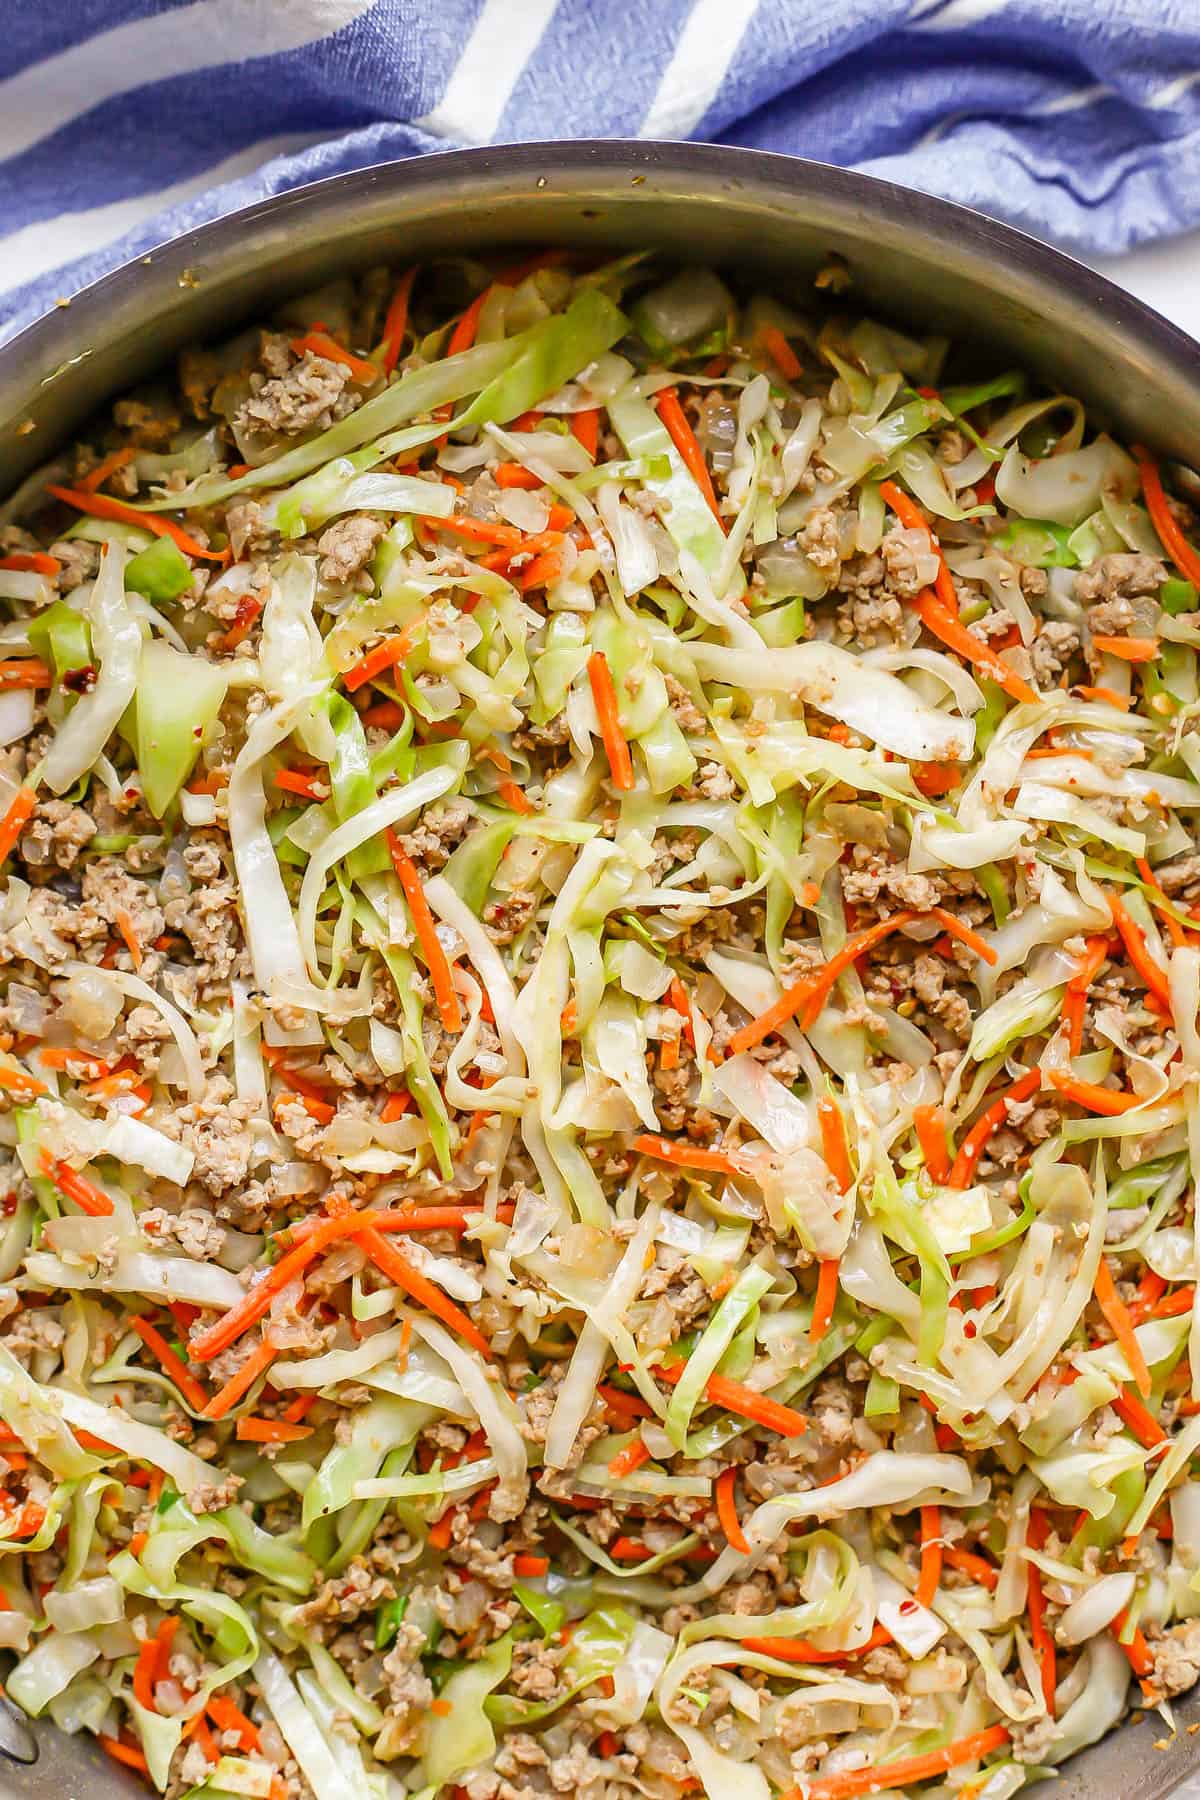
(931,1555)
(248,1311)
(965,934)
(463,335)
(683,1154)
(937,618)
(31,562)
(826,1299)
(745,1402)
(727,1513)
(1117,1315)
(990,1121)
(103,506)
(24,672)
(585,428)
(930,1125)
(396,322)
(901,1771)
(630,1458)
(96,477)
(810,993)
(913,519)
(968,1563)
(781,353)
(427,937)
(86,1195)
(1139,955)
(270,1431)
(1129,649)
(172,1365)
(120,1752)
(1140,1420)
(833,1144)
(15,819)
(240,1383)
(669,410)
(1186,560)
(1089,1094)
(616,746)
(400,1272)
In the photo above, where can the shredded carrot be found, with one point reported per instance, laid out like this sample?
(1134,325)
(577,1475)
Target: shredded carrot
(172,1365)
(259,1359)
(103,506)
(616,746)
(384,656)
(585,428)
(1186,560)
(1110,696)
(24,672)
(958,928)
(302,782)
(319,343)
(1136,1650)
(228,1717)
(799,1650)
(541,571)
(303,1404)
(1159,900)
(385,715)
(731,1525)
(826,1299)
(967,1563)
(63,1056)
(1150,1289)
(86,1195)
(31,562)
(400,1272)
(515,797)
(931,1555)
(413,1218)
(120,1752)
(249,1310)
(21,1084)
(1089,1094)
(744,1402)
(1134,940)
(990,1121)
(668,1053)
(677,998)
(271,1431)
(15,819)
(1140,1420)
(781,353)
(669,410)
(1181,1301)
(1117,1315)
(902,1771)
(930,1125)
(1129,649)
(198,1728)
(1095,954)
(515,475)
(945,625)
(441,1531)
(128,930)
(934,779)
(96,478)
(427,937)
(481,531)
(683,1154)
(833,1144)
(463,335)
(144,1673)
(395,1107)
(811,993)
(630,1458)
(528,1566)
(396,322)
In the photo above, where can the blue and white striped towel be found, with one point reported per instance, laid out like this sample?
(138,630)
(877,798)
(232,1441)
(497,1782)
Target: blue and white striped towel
(123,122)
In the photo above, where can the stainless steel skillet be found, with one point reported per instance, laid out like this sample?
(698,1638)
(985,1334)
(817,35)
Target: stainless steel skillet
(921,261)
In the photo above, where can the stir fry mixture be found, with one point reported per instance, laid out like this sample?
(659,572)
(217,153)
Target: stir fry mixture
(600,1060)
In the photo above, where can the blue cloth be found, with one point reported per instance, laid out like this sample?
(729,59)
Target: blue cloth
(124,122)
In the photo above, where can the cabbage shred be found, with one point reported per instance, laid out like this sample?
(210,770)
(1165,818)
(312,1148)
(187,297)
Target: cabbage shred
(601,1056)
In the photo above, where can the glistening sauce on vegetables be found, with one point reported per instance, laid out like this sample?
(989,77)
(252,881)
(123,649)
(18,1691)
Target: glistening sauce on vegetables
(598,1077)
